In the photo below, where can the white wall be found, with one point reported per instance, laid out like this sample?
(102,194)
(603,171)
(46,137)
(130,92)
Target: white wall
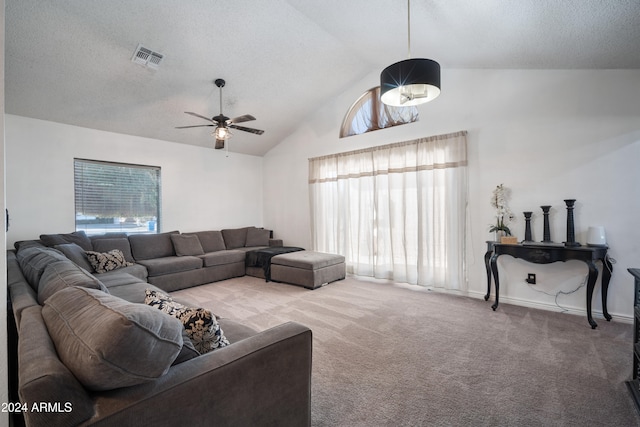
(547,135)
(202,189)
(4,379)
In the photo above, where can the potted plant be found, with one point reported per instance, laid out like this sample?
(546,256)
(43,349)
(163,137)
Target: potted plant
(503,215)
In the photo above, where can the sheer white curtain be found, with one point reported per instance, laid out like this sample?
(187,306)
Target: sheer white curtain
(396,211)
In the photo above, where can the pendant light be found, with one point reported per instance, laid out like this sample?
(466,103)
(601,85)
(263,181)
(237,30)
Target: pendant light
(412,81)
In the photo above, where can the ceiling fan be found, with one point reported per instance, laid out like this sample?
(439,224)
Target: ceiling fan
(223,123)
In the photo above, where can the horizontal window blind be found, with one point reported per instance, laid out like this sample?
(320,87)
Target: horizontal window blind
(116,197)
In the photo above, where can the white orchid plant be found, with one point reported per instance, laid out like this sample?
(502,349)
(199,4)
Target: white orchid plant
(503,213)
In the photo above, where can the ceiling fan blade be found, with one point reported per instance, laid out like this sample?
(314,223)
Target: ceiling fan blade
(256,131)
(240,119)
(200,116)
(219,144)
(194,126)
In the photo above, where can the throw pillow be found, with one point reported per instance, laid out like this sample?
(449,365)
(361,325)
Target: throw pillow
(107,342)
(234,237)
(211,241)
(186,245)
(76,254)
(201,325)
(78,237)
(258,237)
(107,261)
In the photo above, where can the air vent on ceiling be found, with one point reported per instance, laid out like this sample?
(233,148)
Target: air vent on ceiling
(146,57)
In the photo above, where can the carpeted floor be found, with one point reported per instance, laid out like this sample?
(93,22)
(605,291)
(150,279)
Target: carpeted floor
(390,355)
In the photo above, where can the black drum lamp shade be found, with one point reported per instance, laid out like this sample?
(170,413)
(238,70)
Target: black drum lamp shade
(410,82)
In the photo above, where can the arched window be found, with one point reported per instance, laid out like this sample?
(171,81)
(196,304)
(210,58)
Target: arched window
(368,113)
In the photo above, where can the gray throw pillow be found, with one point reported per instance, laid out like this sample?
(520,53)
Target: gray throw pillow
(107,342)
(234,237)
(211,241)
(78,237)
(76,254)
(258,237)
(186,245)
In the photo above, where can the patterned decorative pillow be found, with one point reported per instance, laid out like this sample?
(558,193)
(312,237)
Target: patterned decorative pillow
(107,261)
(201,325)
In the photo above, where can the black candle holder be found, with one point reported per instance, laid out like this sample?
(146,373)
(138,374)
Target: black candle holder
(571,234)
(546,231)
(527,226)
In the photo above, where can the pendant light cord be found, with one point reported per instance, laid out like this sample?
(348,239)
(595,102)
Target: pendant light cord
(409,29)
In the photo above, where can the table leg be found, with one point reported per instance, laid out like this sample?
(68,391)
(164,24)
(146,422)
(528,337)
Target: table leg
(607,268)
(494,269)
(487,258)
(591,283)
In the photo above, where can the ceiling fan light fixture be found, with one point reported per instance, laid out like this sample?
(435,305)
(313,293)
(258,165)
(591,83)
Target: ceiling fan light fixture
(412,81)
(222,133)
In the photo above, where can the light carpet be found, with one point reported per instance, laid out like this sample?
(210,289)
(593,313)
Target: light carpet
(393,355)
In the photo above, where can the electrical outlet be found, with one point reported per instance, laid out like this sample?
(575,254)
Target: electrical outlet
(531,278)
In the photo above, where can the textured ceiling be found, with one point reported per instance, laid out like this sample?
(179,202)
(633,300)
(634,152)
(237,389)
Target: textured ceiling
(69,61)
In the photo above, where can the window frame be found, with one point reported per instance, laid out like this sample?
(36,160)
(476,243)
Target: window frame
(144,216)
(374,115)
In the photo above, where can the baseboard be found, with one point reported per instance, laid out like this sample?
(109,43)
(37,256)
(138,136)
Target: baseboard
(622,318)
(552,307)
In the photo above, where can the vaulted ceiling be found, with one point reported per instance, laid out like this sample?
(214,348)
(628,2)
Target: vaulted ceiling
(69,61)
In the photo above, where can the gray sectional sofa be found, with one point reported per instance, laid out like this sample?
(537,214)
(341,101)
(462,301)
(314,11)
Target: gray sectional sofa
(91,352)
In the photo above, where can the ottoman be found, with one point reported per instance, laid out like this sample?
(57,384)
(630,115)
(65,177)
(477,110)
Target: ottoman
(307,268)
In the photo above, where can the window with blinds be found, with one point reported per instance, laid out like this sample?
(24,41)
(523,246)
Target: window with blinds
(116,197)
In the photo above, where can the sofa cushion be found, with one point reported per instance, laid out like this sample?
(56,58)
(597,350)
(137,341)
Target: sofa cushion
(34,259)
(21,244)
(235,237)
(76,254)
(45,378)
(107,261)
(223,257)
(63,274)
(171,264)
(130,289)
(137,270)
(150,246)
(107,342)
(185,245)
(108,235)
(200,324)
(257,237)
(78,237)
(108,244)
(211,241)
(119,278)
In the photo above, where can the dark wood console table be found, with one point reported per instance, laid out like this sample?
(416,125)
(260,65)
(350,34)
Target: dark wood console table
(546,254)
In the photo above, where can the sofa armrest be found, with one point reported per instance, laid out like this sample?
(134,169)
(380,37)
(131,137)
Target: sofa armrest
(261,380)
